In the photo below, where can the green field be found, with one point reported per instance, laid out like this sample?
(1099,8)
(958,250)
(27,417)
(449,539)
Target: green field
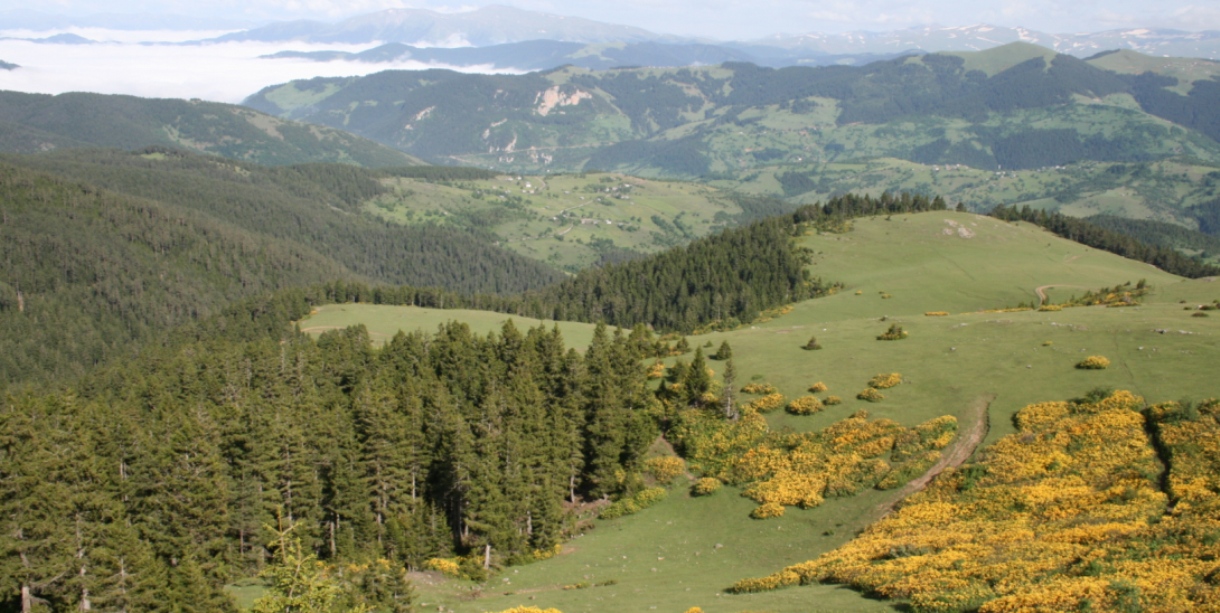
(570,221)
(956,262)
(383,322)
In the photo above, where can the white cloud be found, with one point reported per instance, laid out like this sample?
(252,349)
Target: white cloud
(226,72)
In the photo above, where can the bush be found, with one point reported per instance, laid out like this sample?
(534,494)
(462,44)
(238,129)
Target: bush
(1198,314)
(936,314)
(705,486)
(812,345)
(770,402)
(1050,307)
(895,333)
(635,504)
(665,469)
(1094,362)
(832,400)
(758,388)
(656,371)
(768,510)
(805,405)
(870,395)
(446,566)
(818,387)
(885,381)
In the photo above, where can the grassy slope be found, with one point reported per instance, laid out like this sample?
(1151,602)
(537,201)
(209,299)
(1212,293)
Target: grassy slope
(948,362)
(383,322)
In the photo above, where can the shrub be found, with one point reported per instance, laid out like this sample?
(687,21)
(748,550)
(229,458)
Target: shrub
(805,405)
(758,388)
(446,566)
(1050,307)
(1094,362)
(895,333)
(705,486)
(1047,343)
(812,344)
(1198,314)
(665,468)
(818,387)
(770,402)
(832,400)
(859,292)
(531,609)
(936,314)
(767,510)
(885,381)
(870,395)
(634,504)
(657,370)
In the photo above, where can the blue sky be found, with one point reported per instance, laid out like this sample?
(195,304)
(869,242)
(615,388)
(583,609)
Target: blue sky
(720,19)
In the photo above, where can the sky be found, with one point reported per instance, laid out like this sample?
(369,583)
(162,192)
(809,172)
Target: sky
(718,19)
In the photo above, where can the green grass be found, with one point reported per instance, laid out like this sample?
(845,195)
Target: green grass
(947,363)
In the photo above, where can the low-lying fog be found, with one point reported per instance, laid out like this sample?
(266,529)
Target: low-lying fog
(126,63)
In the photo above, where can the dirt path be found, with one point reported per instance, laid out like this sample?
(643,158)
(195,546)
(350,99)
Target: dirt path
(1041,291)
(957,453)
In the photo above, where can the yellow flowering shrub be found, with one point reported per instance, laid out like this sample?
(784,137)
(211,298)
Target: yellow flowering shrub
(665,468)
(705,486)
(805,405)
(767,403)
(1094,362)
(832,400)
(818,388)
(1066,514)
(885,381)
(871,395)
(758,388)
(936,314)
(656,370)
(446,566)
(768,510)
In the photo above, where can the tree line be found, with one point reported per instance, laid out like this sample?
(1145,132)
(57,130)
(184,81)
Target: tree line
(1098,237)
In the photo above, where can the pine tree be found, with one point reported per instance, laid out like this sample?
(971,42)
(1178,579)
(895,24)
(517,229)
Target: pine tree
(724,352)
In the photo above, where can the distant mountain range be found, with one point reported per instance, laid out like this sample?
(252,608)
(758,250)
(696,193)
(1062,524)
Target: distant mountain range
(1018,107)
(549,54)
(490,25)
(499,25)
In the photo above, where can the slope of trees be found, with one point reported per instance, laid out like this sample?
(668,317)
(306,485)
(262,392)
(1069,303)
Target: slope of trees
(149,485)
(1084,232)
(88,271)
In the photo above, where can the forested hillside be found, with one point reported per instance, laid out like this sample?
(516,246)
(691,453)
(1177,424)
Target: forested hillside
(156,482)
(32,123)
(967,109)
(103,249)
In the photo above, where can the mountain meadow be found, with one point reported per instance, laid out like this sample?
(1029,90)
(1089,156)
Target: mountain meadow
(935,334)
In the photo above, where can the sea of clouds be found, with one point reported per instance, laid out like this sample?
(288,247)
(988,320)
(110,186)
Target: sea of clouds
(129,62)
